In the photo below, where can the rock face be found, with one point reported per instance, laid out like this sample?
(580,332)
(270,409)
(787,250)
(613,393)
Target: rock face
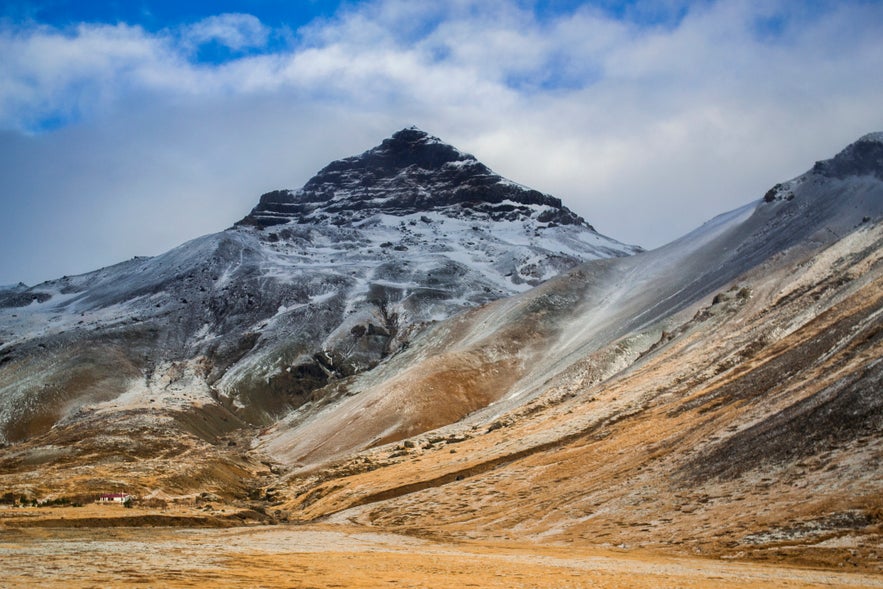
(314,285)
(411,172)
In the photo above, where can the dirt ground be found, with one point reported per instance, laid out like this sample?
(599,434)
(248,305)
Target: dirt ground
(342,556)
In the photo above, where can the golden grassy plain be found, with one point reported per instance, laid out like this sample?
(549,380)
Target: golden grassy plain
(320,556)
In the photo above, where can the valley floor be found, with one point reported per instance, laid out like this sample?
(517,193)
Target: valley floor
(346,556)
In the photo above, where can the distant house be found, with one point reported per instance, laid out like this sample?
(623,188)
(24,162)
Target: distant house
(114,498)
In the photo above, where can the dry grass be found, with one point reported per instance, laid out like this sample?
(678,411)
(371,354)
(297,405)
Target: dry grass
(336,556)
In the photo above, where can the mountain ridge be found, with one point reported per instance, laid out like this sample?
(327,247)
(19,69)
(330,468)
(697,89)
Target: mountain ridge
(717,396)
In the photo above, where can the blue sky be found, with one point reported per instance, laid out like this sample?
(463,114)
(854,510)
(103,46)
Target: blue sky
(155,15)
(127,128)
(280,17)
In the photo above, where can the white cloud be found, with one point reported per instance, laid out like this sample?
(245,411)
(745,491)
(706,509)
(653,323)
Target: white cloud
(47,73)
(645,129)
(235,31)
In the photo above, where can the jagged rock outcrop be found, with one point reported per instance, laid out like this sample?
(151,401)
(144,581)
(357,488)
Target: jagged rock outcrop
(862,158)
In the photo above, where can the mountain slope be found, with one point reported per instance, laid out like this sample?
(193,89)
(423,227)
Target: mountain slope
(545,332)
(720,394)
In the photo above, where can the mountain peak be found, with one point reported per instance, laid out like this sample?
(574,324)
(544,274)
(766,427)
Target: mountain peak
(409,172)
(413,137)
(410,147)
(876,136)
(412,134)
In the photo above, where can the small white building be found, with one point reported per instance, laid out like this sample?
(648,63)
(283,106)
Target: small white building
(114,498)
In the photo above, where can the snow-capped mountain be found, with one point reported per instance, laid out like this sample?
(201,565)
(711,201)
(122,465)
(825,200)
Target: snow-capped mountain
(314,284)
(719,395)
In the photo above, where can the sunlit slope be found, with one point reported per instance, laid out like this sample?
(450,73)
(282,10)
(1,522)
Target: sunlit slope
(721,393)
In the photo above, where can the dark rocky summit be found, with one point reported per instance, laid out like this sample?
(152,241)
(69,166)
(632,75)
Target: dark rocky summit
(411,171)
